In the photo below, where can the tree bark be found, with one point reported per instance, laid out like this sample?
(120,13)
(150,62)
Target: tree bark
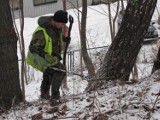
(85,55)
(10,92)
(122,54)
(64,85)
(64,5)
(158,21)
(23,64)
(156,65)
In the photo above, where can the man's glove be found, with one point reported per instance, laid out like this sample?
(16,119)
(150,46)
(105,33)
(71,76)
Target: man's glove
(67,39)
(50,59)
(57,55)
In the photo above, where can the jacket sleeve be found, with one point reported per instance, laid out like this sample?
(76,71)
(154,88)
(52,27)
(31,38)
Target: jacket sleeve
(37,44)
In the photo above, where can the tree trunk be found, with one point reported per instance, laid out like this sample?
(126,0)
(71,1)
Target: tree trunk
(122,54)
(64,5)
(110,21)
(23,64)
(85,55)
(64,85)
(156,65)
(10,92)
(158,21)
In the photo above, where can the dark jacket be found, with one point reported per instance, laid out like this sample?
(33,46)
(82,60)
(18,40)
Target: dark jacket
(38,41)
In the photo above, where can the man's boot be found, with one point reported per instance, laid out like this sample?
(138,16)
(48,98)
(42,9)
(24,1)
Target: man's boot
(54,102)
(45,95)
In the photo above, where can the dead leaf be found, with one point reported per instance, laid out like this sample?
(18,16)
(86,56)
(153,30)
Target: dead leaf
(37,116)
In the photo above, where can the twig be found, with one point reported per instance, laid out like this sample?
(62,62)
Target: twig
(158,94)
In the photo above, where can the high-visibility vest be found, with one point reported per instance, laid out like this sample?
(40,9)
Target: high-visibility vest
(34,59)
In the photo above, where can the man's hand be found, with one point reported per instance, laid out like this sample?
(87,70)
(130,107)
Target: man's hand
(51,59)
(65,31)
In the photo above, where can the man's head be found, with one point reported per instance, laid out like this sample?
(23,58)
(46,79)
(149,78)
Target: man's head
(60,19)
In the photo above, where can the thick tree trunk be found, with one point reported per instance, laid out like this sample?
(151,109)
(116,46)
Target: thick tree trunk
(156,65)
(122,54)
(85,55)
(10,92)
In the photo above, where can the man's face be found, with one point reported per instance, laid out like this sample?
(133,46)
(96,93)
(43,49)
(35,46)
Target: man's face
(58,25)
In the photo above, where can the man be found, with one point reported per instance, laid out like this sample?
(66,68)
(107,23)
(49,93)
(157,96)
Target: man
(45,53)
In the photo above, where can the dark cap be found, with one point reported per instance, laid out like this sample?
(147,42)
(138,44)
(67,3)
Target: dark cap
(60,16)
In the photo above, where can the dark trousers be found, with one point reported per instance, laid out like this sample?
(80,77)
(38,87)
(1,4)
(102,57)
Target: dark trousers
(52,78)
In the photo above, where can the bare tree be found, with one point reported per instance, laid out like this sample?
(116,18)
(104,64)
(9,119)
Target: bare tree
(82,30)
(79,26)
(65,79)
(122,54)
(10,92)
(122,5)
(112,21)
(23,64)
(64,5)
(85,55)
(156,65)
(158,21)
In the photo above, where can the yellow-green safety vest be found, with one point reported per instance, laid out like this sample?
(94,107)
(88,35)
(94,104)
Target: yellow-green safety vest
(37,61)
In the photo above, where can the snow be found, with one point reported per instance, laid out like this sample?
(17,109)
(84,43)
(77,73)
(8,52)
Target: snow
(119,101)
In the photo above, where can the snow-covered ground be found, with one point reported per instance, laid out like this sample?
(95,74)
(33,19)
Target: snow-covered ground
(135,101)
